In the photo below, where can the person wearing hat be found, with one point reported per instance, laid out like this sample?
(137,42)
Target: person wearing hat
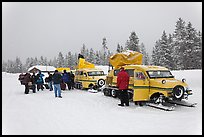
(122,84)
(57,78)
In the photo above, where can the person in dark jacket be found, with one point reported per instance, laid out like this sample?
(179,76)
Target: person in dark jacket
(25,81)
(122,84)
(34,79)
(57,78)
(72,79)
(50,81)
(67,79)
(40,81)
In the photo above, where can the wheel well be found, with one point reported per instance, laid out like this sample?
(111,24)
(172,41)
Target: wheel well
(157,94)
(90,85)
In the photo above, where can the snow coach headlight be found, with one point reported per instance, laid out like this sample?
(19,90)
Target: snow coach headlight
(188,90)
(183,80)
(163,81)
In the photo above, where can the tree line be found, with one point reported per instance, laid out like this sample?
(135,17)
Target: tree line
(180,50)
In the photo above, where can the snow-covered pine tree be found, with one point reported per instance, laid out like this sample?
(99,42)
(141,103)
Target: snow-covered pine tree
(104,52)
(75,60)
(83,50)
(18,66)
(42,61)
(54,62)
(98,59)
(118,50)
(171,52)
(155,54)
(133,42)
(35,61)
(49,63)
(197,51)
(189,48)
(28,64)
(4,66)
(66,60)
(145,58)
(86,55)
(165,53)
(60,60)
(162,53)
(179,44)
(91,56)
(10,66)
(70,60)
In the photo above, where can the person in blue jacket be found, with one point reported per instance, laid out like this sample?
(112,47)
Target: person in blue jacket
(40,81)
(67,79)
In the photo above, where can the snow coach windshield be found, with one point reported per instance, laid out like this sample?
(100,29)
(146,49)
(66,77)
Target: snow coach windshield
(160,74)
(96,73)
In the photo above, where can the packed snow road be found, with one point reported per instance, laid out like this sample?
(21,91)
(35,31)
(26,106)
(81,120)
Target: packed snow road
(81,112)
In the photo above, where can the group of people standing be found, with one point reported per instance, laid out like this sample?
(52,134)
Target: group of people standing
(30,81)
(53,80)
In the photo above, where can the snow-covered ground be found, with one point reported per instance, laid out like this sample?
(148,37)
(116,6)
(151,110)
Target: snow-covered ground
(82,112)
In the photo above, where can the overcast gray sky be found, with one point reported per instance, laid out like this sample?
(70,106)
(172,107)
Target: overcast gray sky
(32,29)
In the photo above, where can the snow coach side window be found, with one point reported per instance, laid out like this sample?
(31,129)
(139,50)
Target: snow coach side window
(139,75)
(130,72)
(81,73)
(160,74)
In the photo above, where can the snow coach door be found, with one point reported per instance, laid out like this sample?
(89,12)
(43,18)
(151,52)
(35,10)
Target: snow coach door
(141,86)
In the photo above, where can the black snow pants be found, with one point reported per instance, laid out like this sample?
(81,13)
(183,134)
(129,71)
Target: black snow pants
(124,99)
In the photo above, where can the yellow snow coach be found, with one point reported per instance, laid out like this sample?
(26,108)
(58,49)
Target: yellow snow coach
(87,76)
(148,85)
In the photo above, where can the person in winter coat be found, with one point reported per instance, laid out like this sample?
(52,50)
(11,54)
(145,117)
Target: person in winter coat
(122,84)
(26,80)
(40,81)
(72,80)
(34,79)
(57,78)
(49,80)
(66,78)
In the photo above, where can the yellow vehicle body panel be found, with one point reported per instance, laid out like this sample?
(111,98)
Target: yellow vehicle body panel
(143,89)
(81,75)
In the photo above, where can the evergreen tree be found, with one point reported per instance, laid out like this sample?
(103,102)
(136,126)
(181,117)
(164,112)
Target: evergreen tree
(91,56)
(190,48)
(197,51)
(55,62)
(28,64)
(35,62)
(104,54)
(145,58)
(60,60)
(171,52)
(179,44)
(83,50)
(133,42)
(4,66)
(70,60)
(18,66)
(97,59)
